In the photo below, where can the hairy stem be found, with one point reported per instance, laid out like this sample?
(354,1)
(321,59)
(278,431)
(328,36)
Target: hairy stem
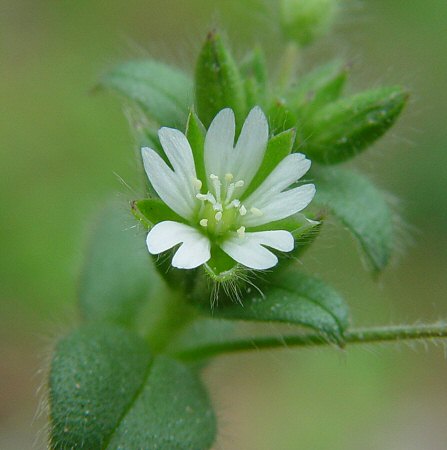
(355,336)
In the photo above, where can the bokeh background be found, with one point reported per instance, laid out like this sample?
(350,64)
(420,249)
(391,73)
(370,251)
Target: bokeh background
(62,151)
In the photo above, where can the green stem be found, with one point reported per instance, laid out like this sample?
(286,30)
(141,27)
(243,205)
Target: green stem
(356,336)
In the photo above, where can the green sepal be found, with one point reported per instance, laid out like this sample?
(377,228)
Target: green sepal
(361,208)
(282,115)
(323,85)
(342,129)
(162,92)
(254,71)
(278,148)
(151,211)
(218,83)
(195,133)
(221,268)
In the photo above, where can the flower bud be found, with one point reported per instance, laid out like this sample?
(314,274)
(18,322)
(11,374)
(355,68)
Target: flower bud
(305,20)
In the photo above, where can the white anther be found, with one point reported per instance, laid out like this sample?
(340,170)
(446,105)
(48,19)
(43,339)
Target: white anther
(241,231)
(197,184)
(218,216)
(256,211)
(217,207)
(214,177)
(235,203)
(239,183)
(242,210)
(204,222)
(229,177)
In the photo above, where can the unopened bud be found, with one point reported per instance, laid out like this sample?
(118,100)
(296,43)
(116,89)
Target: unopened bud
(305,20)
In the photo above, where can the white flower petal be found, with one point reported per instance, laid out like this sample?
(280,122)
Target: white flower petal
(192,253)
(195,248)
(287,172)
(179,153)
(282,205)
(219,142)
(168,185)
(250,148)
(249,251)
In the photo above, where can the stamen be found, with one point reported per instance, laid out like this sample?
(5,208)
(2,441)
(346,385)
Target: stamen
(239,183)
(230,192)
(218,216)
(197,184)
(242,210)
(229,177)
(204,223)
(256,211)
(207,197)
(235,203)
(241,231)
(217,207)
(217,184)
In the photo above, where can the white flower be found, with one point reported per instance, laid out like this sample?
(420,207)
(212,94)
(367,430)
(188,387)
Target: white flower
(214,210)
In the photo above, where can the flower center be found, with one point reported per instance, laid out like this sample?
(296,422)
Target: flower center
(221,210)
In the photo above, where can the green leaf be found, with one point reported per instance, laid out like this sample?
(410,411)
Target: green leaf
(117,274)
(107,392)
(162,92)
(151,211)
(320,87)
(293,297)
(278,148)
(344,128)
(361,208)
(254,72)
(195,132)
(95,374)
(172,411)
(218,82)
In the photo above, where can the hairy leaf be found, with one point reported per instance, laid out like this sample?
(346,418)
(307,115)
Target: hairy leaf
(362,209)
(162,92)
(297,298)
(344,128)
(107,392)
(95,374)
(117,274)
(320,87)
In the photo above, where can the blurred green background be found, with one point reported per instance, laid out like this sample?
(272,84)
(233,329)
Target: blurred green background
(62,150)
